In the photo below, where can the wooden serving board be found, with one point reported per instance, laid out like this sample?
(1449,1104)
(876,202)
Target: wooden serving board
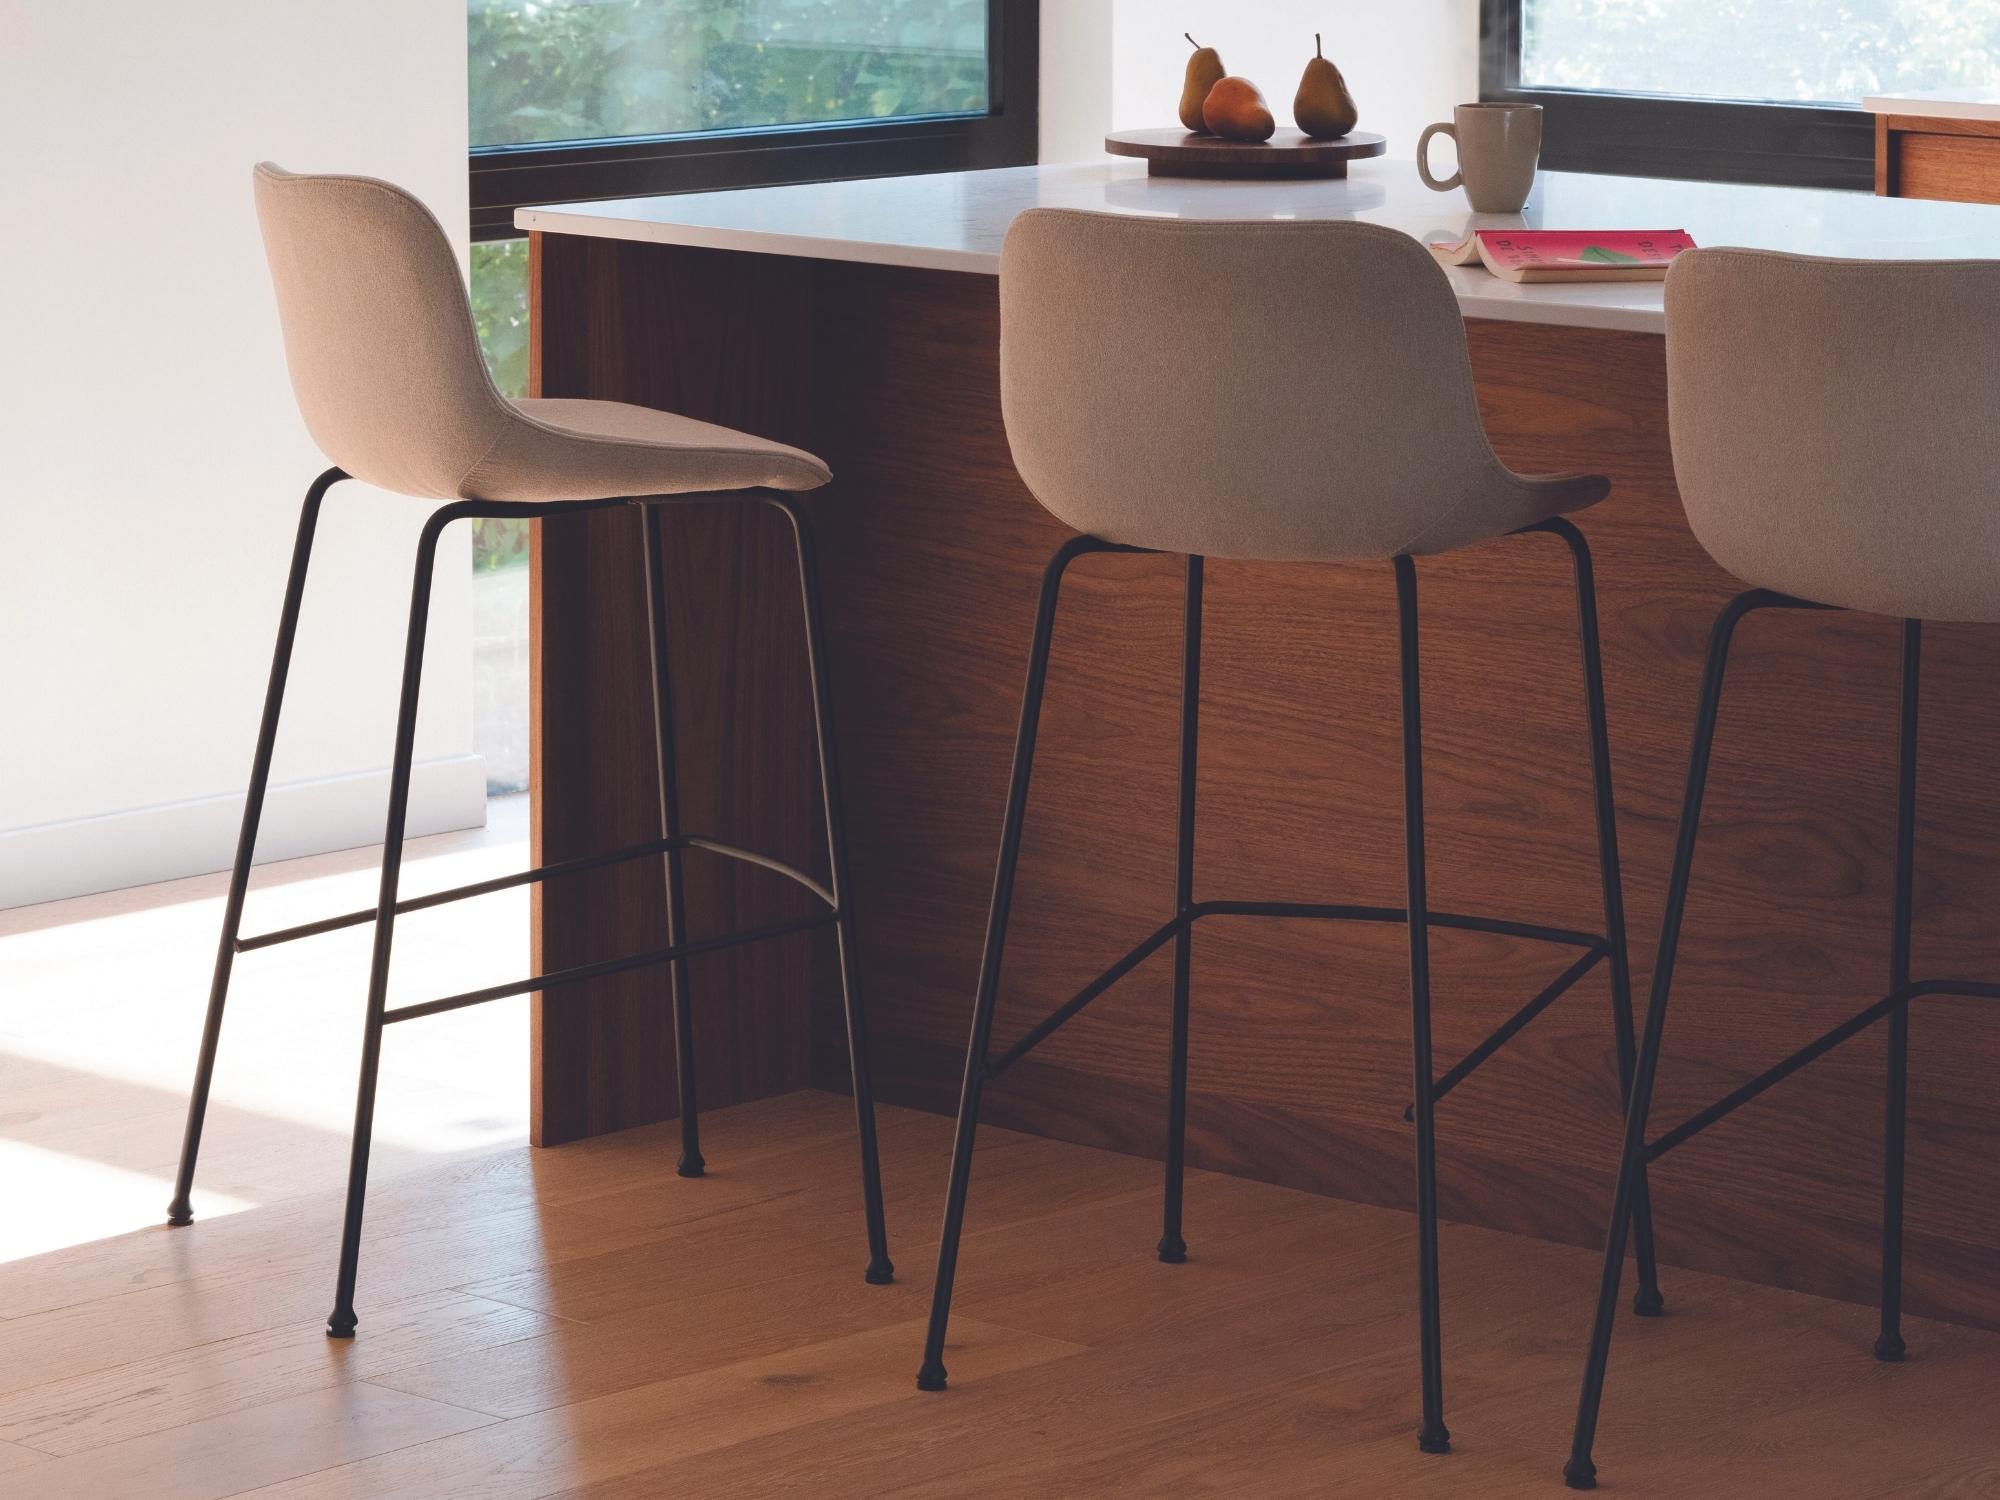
(1289,153)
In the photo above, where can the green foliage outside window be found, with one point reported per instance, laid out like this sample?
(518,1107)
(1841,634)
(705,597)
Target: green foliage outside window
(567,70)
(1833,51)
(500,313)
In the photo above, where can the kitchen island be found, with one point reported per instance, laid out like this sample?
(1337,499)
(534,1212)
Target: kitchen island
(859,320)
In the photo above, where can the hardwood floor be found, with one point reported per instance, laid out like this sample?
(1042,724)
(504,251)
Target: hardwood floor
(581,1322)
(101,1005)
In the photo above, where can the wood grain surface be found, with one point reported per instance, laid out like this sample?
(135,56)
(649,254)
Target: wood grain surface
(582,1323)
(932,551)
(1289,153)
(1926,156)
(728,346)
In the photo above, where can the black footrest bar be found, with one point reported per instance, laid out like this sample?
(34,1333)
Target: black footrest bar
(1151,945)
(529,877)
(762,861)
(1452,920)
(608,967)
(1736,1099)
(1505,1031)
(1083,997)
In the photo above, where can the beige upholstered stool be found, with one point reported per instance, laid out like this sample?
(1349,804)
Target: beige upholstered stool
(1170,386)
(389,377)
(1835,447)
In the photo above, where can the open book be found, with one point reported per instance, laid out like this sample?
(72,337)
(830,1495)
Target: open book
(1568,254)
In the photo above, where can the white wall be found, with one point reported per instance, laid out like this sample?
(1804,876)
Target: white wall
(1074,86)
(153,458)
(1407,63)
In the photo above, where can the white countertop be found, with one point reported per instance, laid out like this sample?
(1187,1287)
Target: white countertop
(955,221)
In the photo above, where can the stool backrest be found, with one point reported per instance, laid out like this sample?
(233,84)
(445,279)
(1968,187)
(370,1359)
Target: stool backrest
(1238,389)
(379,338)
(1834,426)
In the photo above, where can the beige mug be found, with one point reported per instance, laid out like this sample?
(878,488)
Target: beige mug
(1499,147)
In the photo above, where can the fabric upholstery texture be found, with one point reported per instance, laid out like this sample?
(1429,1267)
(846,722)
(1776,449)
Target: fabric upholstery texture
(386,366)
(1833,426)
(1281,391)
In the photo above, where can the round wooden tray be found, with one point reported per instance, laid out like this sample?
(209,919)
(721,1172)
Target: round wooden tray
(1289,153)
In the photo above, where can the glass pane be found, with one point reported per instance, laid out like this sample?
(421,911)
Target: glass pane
(568,70)
(1831,51)
(500,548)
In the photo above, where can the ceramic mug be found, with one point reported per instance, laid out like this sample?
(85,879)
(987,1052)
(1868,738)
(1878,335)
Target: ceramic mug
(1499,147)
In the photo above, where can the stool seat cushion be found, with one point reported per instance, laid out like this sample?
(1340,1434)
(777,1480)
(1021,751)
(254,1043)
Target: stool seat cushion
(588,450)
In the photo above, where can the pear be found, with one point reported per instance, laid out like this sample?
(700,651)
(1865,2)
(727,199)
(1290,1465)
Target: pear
(1236,111)
(1204,71)
(1323,109)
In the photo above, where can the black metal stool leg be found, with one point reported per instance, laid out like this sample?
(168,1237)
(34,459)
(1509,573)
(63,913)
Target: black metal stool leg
(931,1377)
(1580,1473)
(1173,1248)
(1433,1436)
(1889,1346)
(340,1323)
(181,1210)
(1647,1301)
(880,1270)
(691,1164)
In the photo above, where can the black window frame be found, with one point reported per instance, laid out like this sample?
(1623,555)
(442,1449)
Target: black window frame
(1654,135)
(504,178)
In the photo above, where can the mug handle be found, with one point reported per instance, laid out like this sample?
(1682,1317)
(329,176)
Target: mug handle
(1424,157)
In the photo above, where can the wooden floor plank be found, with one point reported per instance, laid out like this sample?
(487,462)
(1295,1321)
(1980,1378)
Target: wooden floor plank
(582,1200)
(312,1433)
(14,1456)
(1020,1176)
(213,1379)
(599,1440)
(726,1346)
(459,1192)
(576,1363)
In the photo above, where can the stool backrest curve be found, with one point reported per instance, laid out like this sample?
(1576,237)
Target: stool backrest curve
(379,337)
(1834,426)
(1276,390)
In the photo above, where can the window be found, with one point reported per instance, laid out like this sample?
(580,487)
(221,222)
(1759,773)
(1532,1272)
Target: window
(575,99)
(1738,90)
(500,548)
(588,70)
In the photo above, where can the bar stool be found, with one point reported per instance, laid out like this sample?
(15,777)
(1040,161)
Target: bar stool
(1786,488)
(1245,449)
(388,374)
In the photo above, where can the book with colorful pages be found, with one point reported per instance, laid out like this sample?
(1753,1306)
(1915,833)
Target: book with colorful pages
(1568,254)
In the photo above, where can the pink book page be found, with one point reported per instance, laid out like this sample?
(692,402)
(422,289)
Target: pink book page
(1596,248)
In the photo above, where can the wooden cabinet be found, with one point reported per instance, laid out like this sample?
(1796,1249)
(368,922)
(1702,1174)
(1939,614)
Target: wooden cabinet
(1933,156)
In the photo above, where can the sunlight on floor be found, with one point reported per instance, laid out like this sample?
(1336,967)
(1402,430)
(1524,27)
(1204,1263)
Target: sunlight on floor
(101,1003)
(68,1199)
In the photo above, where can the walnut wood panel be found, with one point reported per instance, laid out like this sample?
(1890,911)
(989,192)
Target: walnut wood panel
(1919,156)
(1299,1074)
(725,341)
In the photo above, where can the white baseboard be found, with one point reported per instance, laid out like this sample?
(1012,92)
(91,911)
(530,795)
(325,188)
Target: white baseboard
(52,861)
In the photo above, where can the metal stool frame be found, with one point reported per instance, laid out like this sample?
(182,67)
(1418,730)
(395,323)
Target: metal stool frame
(835,897)
(1580,1472)
(982,1067)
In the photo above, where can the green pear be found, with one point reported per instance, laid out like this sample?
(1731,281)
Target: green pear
(1204,71)
(1323,109)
